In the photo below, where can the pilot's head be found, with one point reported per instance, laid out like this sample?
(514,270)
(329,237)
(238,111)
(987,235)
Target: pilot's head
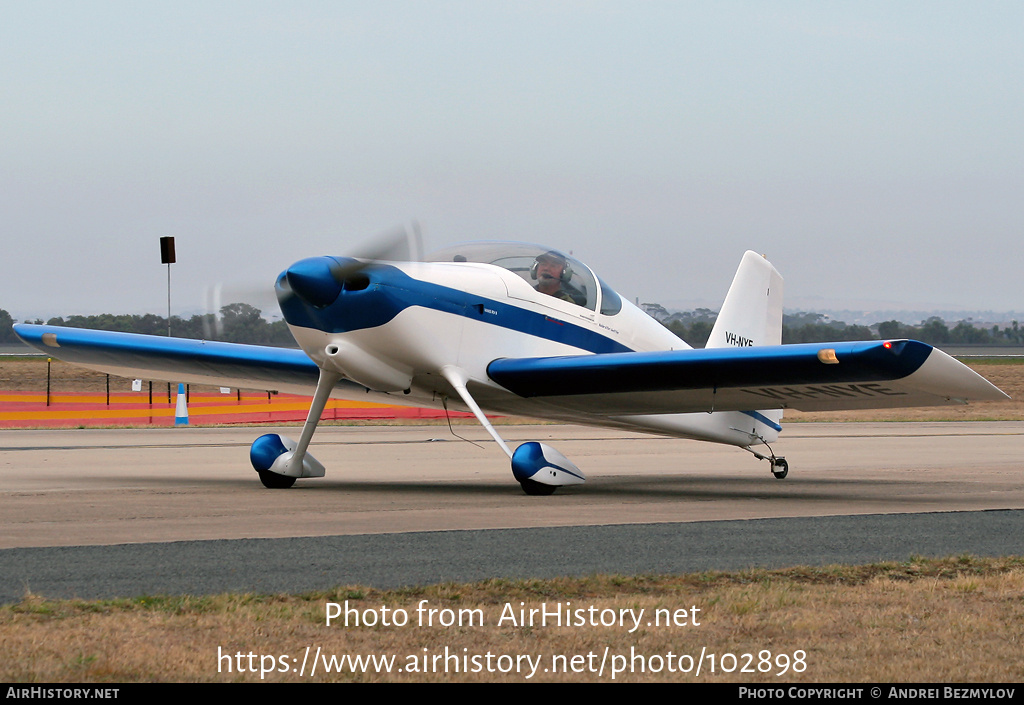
(550,269)
(551,264)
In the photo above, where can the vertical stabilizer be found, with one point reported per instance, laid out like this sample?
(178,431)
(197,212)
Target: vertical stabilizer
(752,312)
(752,315)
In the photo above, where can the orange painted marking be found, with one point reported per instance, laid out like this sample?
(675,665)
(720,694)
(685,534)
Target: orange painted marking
(133,408)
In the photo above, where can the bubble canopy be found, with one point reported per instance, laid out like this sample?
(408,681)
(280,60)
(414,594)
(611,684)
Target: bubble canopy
(578,283)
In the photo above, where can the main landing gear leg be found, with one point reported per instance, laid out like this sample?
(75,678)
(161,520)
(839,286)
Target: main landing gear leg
(278,459)
(539,468)
(457,378)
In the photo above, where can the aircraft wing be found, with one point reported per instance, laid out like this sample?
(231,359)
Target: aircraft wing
(176,359)
(808,377)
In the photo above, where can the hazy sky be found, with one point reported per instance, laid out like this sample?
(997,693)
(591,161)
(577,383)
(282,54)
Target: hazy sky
(871,150)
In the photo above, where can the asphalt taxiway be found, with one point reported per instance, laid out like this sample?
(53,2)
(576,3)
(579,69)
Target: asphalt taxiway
(96,513)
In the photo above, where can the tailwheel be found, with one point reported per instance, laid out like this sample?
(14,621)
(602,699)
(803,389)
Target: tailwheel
(275,481)
(780,468)
(537,489)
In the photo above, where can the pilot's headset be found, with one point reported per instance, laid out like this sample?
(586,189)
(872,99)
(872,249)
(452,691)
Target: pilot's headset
(551,254)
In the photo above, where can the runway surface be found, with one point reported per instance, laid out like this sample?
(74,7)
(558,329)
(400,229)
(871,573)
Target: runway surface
(96,513)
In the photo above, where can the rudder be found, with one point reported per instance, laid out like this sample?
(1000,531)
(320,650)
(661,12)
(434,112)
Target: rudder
(752,311)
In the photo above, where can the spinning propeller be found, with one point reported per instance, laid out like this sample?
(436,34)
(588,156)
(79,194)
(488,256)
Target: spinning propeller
(319,280)
(316,280)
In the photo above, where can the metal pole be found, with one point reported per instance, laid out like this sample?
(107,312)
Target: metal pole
(167,257)
(48,361)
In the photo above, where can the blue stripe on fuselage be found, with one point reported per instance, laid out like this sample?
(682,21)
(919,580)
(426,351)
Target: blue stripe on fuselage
(392,291)
(763,419)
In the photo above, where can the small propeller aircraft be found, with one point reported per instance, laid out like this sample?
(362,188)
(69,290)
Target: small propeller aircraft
(519,329)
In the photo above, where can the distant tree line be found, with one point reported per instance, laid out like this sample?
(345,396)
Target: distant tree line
(695,327)
(242,323)
(6,328)
(238,323)
(692,326)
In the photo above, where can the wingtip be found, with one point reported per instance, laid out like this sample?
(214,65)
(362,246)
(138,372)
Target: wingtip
(960,380)
(29,333)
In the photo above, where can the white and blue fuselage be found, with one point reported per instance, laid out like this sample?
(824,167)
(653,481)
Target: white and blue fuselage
(391,328)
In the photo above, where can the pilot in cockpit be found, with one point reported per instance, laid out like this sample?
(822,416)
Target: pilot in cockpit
(552,271)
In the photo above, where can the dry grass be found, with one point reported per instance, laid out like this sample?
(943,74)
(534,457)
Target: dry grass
(28,374)
(958,619)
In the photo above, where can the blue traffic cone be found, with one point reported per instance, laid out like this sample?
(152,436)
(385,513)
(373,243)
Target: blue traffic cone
(181,408)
